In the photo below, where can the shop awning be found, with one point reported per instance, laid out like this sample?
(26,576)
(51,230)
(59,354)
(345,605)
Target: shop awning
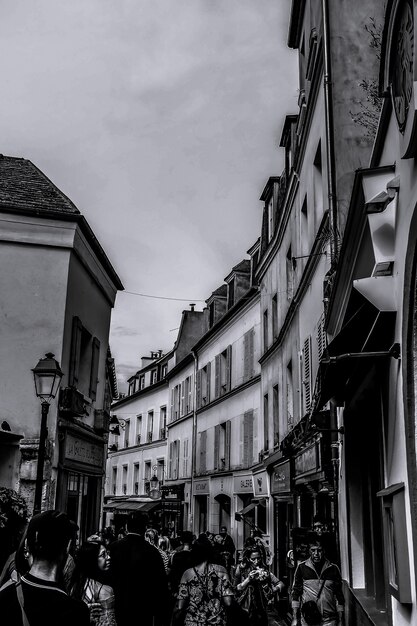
(366,336)
(247,509)
(132,505)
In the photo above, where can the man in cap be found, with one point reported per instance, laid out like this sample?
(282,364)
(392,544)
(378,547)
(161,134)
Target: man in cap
(38,598)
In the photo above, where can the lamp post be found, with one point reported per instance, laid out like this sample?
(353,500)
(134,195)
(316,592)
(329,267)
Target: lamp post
(47,375)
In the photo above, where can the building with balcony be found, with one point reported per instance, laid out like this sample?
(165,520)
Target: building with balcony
(58,289)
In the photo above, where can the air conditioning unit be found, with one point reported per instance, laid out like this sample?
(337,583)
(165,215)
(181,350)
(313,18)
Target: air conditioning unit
(71,403)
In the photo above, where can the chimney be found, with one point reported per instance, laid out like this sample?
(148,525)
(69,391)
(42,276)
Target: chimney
(192,305)
(159,353)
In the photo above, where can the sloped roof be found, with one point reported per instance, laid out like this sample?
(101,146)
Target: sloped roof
(243,266)
(220,291)
(24,186)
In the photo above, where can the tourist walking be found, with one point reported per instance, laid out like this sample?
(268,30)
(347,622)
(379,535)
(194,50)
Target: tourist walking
(257,588)
(138,578)
(89,582)
(37,597)
(205,592)
(317,597)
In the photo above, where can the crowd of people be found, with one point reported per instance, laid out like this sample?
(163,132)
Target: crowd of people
(145,577)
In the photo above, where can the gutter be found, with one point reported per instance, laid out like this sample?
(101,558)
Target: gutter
(328,110)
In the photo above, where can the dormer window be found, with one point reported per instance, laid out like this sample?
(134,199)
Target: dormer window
(271,220)
(142,382)
(153,377)
(212,312)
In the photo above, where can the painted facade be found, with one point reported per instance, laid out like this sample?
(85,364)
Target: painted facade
(58,291)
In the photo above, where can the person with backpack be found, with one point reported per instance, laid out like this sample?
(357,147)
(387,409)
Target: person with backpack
(205,594)
(317,597)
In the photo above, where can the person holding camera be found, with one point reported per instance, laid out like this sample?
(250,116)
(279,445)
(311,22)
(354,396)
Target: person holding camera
(317,597)
(256,589)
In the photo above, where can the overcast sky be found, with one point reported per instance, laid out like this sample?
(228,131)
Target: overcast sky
(160,119)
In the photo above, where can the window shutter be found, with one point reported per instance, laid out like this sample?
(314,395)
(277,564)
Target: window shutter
(95,357)
(74,368)
(227,445)
(190,393)
(246,339)
(216,446)
(251,351)
(229,368)
(182,403)
(177,458)
(301,379)
(307,373)
(217,373)
(254,449)
(185,458)
(198,390)
(208,381)
(248,438)
(203,444)
(171,451)
(172,404)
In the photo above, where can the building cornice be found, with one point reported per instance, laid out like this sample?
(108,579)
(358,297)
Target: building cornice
(140,393)
(229,394)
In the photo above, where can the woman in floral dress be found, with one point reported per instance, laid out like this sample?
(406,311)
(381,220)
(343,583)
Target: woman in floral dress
(205,592)
(89,582)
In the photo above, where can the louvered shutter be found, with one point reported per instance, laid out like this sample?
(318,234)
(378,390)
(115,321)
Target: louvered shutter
(203,450)
(208,382)
(301,384)
(177,458)
(172,404)
(251,352)
(229,368)
(185,458)
(216,446)
(227,445)
(182,402)
(246,365)
(74,368)
(217,375)
(95,358)
(248,438)
(171,451)
(198,389)
(307,373)
(190,393)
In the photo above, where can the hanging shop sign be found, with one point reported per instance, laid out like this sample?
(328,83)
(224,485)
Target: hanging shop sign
(260,483)
(281,478)
(172,492)
(243,484)
(82,451)
(201,487)
(308,461)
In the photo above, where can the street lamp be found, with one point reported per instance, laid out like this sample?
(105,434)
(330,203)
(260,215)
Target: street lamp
(47,375)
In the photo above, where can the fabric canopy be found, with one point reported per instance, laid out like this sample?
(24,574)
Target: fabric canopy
(131,505)
(247,509)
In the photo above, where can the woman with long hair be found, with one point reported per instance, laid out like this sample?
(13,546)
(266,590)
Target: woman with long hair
(205,592)
(256,588)
(90,582)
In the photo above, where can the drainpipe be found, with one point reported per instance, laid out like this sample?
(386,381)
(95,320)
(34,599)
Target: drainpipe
(194,441)
(328,109)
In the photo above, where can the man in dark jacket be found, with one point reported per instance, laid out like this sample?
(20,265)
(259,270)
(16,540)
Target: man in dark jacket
(138,578)
(40,590)
(318,580)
